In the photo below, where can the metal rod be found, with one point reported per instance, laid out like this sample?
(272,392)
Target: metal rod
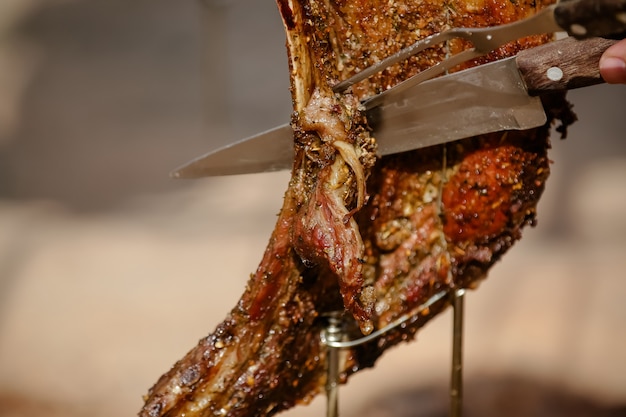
(456,380)
(396,323)
(332,333)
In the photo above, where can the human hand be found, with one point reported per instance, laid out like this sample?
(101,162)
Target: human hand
(613,63)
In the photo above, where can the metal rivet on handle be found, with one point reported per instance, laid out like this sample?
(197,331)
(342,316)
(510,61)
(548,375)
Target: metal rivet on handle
(554,73)
(578,30)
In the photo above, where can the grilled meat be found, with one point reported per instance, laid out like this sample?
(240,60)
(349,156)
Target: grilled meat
(372,238)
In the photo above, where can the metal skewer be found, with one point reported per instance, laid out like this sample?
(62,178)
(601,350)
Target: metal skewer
(456,380)
(332,333)
(396,323)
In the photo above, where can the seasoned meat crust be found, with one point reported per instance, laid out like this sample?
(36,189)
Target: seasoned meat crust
(371,238)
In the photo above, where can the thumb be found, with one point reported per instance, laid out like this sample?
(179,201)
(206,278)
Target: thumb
(613,63)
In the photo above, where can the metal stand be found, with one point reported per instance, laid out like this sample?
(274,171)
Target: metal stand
(333,334)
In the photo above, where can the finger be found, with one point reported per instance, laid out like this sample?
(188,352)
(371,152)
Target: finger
(613,64)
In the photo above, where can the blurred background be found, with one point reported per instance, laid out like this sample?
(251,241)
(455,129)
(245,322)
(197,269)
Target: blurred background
(110,271)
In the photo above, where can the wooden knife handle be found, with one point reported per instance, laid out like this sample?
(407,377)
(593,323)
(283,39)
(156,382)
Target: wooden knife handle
(589,18)
(562,65)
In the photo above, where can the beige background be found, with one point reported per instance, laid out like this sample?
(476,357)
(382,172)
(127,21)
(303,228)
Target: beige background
(110,271)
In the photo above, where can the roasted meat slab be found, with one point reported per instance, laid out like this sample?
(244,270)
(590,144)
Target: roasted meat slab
(370,239)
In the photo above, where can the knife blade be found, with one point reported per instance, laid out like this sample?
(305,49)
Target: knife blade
(502,95)
(439,111)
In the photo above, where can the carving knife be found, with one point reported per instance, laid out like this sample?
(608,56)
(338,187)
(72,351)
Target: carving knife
(502,95)
(488,98)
